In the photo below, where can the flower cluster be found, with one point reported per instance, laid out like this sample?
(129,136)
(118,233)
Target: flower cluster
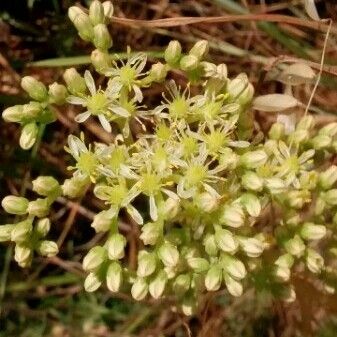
(216,207)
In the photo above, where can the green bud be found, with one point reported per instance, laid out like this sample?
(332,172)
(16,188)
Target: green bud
(276,131)
(251,246)
(158,72)
(139,289)
(207,202)
(23,255)
(75,82)
(182,284)
(198,264)
(96,13)
(200,49)
(225,240)
(328,178)
(233,266)
(32,111)
(75,186)
(189,63)
(94,259)
(285,260)
(21,231)
(306,123)
(211,247)
(39,207)
(15,205)
(102,222)
(252,204)
(108,9)
(100,60)
(311,231)
(253,159)
(233,216)
(295,246)
(228,159)
(146,264)
(314,261)
(84,26)
(275,185)
(299,136)
(234,287)
(297,199)
(281,273)
(34,88)
(102,38)
(47,248)
(73,11)
(45,185)
(329,130)
(213,278)
(114,277)
(28,136)
(168,254)
(158,284)
(13,114)
(42,227)
(188,306)
(247,95)
(6,232)
(309,180)
(150,233)
(171,208)
(58,93)
(237,86)
(116,245)
(321,142)
(173,52)
(92,282)
(330,197)
(251,181)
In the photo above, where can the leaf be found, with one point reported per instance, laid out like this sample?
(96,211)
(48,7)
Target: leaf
(311,9)
(274,102)
(297,73)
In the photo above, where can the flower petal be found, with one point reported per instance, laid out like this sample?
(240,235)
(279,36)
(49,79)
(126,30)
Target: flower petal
(153,208)
(76,100)
(135,214)
(105,123)
(82,117)
(89,81)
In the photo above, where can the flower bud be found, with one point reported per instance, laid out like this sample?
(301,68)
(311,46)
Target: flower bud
(207,202)
(251,246)
(39,207)
(328,178)
(47,248)
(139,289)
(114,277)
(281,273)
(182,284)
(28,136)
(305,123)
(188,306)
(15,205)
(229,159)
(234,287)
(108,9)
(58,93)
(246,96)
(285,260)
(189,63)
(94,259)
(252,204)
(200,49)
(84,26)
(253,159)
(299,136)
(146,264)
(102,38)
(168,254)
(6,232)
(21,231)
(297,199)
(116,245)
(275,185)
(102,222)
(295,246)
(314,261)
(157,286)
(13,114)
(276,131)
(198,264)
(237,86)
(42,227)
(226,240)
(158,72)
(213,279)
(96,13)
(45,185)
(92,282)
(251,181)
(75,82)
(74,187)
(330,197)
(150,233)
(23,255)
(173,52)
(234,267)
(311,231)
(321,142)
(34,88)
(308,180)
(233,216)
(73,11)
(329,130)
(32,111)
(100,60)
(211,247)
(171,208)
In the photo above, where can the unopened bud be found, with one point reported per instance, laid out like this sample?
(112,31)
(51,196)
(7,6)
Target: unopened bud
(146,264)
(285,260)
(114,277)
(168,254)
(246,96)
(251,181)
(189,63)
(226,240)
(308,180)
(15,205)
(157,286)
(237,86)
(158,72)
(251,246)
(34,88)
(329,130)
(96,13)
(312,231)
(116,245)
(150,233)
(297,199)
(200,49)
(252,204)
(28,136)
(234,267)
(328,178)
(173,52)
(23,255)
(21,231)
(295,246)
(92,282)
(58,93)
(211,247)
(276,131)
(253,159)
(233,216)
(234,287)
(75,82)
(5,232)
(207,202)
(139,289)
(228,159)
(198,264)
(94,259)
(321,142)
(102,222)
(275,185)
(47,248)
(42,227)
(213,279)
(108,9)
(314,261)
(73,11)
(45,185)
(13,114)
(39,207)
(281,273)
(84,26)
(75,186)
(330,197)
(100,60)
(305,123)
(102,38)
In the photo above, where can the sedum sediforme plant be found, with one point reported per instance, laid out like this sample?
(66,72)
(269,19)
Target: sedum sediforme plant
(217,205)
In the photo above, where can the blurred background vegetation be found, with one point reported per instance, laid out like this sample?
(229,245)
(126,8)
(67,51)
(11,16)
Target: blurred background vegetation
(36,38)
